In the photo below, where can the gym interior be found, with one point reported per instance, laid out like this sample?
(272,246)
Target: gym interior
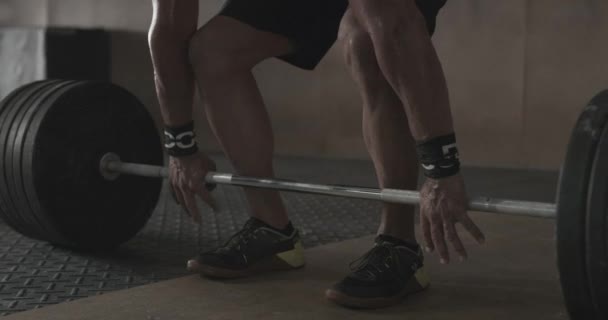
(525,81)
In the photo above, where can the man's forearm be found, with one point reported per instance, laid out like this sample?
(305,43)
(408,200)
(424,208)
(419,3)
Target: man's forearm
(418,78)
(429,111)
(169,38)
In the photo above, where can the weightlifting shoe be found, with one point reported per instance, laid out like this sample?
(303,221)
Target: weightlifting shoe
(256,248)
(384,276)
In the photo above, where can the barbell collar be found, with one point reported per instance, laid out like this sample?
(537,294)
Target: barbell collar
(111,165)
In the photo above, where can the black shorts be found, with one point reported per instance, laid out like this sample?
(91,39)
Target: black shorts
(311,25)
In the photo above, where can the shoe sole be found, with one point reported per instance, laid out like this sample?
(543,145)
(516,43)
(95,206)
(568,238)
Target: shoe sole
(419,283)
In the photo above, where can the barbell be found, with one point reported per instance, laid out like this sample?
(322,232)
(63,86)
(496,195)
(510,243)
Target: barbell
(80,162)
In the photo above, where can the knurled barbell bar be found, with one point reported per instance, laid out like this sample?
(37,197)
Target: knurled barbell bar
(80,162)
(111,167)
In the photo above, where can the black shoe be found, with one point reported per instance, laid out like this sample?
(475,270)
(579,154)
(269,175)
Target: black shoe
(255,249)
(385,275)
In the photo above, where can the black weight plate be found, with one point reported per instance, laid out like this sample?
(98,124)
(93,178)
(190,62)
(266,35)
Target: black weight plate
(51,93)
(571,208)
(25,204)
(21,221)
(20,106)
(7,210)
(30,226)
(63,146)
(597,229)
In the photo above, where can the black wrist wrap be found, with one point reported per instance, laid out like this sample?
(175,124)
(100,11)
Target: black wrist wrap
(179,141)
(439,157)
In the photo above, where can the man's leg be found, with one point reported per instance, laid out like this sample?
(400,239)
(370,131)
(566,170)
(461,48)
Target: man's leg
(393,268)
(222,53)
(409,62)
(399,30)
(385,128)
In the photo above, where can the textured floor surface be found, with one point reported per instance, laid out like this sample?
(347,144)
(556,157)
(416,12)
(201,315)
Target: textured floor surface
(34,274)
(512,276)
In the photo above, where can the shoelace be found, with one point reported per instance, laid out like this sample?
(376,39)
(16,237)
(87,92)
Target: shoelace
(240,239)
(375,261)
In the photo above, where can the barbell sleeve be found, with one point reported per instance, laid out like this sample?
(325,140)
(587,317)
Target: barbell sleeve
(511,207)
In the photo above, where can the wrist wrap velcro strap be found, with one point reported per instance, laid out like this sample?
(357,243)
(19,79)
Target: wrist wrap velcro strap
(439,157)
(179,141)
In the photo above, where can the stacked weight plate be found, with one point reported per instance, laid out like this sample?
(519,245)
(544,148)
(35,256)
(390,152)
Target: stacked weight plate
(582,232)
(12,111)
(53,134)
(596,233)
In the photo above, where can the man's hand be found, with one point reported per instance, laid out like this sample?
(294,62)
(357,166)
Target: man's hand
(443,203)
(187,176)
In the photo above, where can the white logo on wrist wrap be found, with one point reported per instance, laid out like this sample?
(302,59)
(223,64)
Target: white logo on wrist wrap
(447,149)
(176,141)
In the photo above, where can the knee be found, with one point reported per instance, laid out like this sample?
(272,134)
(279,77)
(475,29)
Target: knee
(358,47)
(214,55)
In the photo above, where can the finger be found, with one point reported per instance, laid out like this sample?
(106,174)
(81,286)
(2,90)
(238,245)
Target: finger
(426,234)
(452,236)
(190,203)
(439,240)
(209,200)
(172,194)
(210,186)
(202,191)
(177,194)
(473,229)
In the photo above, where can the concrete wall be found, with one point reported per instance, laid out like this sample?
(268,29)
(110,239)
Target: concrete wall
(566,64)
(519,72)
(20,57)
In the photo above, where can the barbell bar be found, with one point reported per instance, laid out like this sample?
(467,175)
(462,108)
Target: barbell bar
(80,164)
(110,165)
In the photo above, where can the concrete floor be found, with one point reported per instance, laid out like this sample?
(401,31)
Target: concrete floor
(512,276)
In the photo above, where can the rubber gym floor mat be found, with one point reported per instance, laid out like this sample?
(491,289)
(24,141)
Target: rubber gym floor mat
(513,276)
